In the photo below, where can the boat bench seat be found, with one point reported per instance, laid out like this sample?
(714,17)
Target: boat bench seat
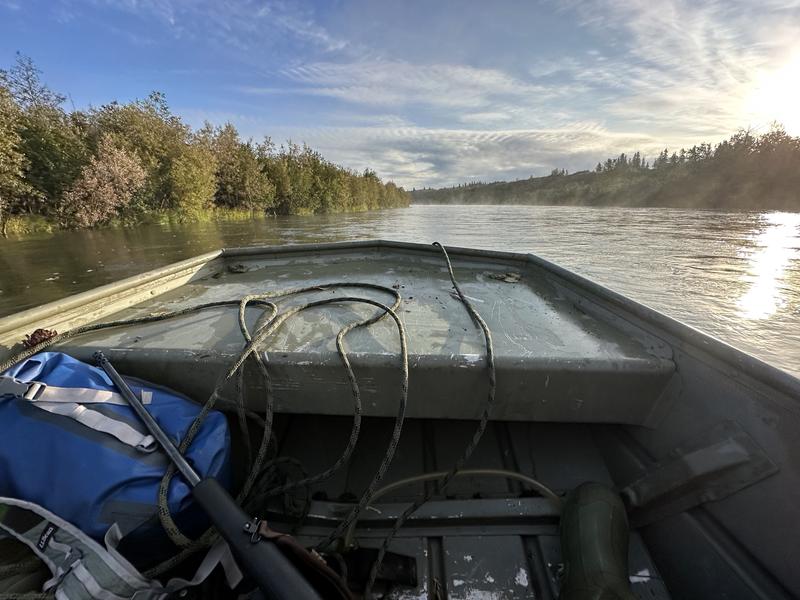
(557,358)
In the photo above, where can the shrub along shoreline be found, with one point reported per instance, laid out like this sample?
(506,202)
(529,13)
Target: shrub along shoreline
(27,225)
(135,162)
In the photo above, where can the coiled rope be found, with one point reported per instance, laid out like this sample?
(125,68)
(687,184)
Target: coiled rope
(264,331)
(259,467)
(253,342)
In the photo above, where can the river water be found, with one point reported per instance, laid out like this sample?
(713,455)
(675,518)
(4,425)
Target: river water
(733,275)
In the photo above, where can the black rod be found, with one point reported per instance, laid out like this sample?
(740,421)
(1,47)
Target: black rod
(189,474)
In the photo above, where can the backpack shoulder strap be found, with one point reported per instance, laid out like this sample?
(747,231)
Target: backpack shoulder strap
(82,569)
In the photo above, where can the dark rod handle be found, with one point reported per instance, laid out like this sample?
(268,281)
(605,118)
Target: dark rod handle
(262,561)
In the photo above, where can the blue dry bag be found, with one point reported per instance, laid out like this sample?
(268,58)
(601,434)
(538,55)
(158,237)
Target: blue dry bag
(71,444)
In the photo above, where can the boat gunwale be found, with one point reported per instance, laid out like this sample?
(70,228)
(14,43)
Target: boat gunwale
(25,317)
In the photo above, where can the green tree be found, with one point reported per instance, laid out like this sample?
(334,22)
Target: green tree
(52,141)
(54,144)
(192,179)
(72,165)
(105,187)
(241,178)
(148,129)
(13,187)
(24,82)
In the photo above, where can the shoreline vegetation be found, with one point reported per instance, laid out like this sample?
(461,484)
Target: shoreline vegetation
(745,172)
(25,224)
(125,164)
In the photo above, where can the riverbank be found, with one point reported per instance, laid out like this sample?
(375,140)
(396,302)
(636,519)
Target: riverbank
(18,226)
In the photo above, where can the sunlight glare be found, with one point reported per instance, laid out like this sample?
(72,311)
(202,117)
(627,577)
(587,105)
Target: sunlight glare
(776,97)
(777,245)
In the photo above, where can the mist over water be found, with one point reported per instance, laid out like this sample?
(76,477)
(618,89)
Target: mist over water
(733,275)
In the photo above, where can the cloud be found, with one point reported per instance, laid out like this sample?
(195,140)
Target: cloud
(417,157)
(484,118)
(398,84)
(681,64)
(677,71)
(246,25)
(300,25)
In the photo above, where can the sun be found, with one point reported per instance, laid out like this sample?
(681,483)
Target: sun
(776,97)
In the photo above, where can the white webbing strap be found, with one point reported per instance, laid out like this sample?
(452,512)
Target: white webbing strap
(36,391)
(68,402)
(102,423)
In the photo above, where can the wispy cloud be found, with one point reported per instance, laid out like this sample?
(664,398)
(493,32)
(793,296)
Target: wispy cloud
(416,156)
(301,25)
(399,83)
(244,24)
(681,64)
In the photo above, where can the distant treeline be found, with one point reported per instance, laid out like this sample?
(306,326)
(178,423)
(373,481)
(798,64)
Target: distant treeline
(122,162)
(745,172)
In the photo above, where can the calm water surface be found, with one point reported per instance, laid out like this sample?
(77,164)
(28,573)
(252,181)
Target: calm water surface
(733,275)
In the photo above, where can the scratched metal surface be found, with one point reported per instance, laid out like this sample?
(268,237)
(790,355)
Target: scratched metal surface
(574,366)
(528,318)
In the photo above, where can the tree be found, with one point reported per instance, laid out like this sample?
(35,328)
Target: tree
(13,187)
(147,129)
(241,178)
(105,187)
(72,165)
(192,179)
(54,144)
(26,86)
(662,160)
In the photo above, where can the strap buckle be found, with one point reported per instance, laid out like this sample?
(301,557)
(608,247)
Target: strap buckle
(29,390)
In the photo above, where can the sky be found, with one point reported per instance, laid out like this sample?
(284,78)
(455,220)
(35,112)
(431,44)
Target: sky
(432,93)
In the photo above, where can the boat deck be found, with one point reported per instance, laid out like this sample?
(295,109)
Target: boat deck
(558,357)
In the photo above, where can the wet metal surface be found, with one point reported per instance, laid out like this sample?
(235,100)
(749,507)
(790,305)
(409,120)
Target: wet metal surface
(557,361)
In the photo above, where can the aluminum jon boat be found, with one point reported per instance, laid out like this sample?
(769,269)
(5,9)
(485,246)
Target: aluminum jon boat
(697,438)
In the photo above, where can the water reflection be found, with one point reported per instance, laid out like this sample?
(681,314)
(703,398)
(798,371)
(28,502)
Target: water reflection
(775,246)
